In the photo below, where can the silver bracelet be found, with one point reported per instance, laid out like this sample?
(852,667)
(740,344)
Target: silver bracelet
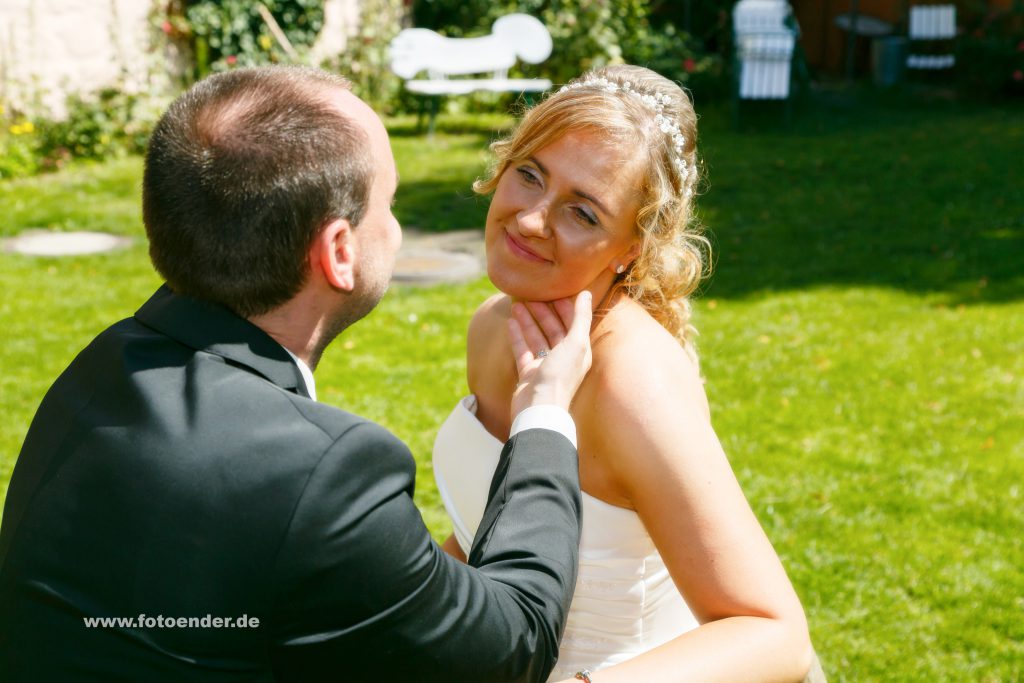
(583,675)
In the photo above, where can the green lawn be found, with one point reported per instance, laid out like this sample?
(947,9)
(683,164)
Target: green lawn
(862,339)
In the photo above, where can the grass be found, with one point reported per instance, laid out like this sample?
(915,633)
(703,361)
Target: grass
(861,339)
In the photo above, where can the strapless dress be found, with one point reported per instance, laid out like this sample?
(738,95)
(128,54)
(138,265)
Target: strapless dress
(625,602)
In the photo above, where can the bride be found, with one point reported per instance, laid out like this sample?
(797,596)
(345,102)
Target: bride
(677,580)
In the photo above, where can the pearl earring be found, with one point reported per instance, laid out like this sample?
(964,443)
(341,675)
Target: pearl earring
(620,269)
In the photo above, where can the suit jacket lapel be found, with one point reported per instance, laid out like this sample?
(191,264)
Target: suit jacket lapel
(209,327)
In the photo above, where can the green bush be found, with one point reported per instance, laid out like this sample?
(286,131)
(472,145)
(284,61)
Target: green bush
(587,34)
(18,146)
(227,33)
(990,52)
(364,60)
(109,123)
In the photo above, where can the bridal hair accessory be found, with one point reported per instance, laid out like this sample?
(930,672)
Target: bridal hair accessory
(655,103)
(583,675)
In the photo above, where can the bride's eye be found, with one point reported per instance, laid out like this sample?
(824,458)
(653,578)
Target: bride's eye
(528,175)
(584,215)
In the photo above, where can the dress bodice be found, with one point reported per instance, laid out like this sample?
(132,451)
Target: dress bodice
(625,601)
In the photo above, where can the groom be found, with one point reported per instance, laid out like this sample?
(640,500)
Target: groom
(183,509)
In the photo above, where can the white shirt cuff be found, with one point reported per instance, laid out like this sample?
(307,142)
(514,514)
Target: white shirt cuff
(545,417)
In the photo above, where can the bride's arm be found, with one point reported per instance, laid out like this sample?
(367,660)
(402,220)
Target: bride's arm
(652,420)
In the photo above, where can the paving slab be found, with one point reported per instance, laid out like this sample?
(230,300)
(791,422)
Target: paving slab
(42,242)
(435,257)
(424,258)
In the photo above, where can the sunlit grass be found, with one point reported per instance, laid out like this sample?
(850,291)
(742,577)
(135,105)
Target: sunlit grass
(861,340)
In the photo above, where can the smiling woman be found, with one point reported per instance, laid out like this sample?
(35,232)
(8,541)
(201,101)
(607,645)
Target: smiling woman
(633,135)
(594,192)
(562,220)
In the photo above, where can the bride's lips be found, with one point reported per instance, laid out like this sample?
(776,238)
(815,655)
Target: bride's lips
(522,251)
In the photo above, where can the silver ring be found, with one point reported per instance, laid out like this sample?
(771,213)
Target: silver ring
(542,353)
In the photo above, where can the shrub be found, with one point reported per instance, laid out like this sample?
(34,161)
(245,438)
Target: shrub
(990,52)
(587,34)
(108,123)
(227,33)
(18,145)
(365,58)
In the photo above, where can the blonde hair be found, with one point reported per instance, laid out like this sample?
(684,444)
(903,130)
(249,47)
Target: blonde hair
(673,252)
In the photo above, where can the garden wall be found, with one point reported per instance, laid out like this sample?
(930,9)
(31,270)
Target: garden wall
(49,48)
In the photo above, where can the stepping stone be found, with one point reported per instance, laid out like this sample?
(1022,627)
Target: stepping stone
(422,266)
(428,257)
(53,243)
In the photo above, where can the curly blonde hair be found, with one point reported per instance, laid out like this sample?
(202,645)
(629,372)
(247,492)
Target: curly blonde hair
(673,252)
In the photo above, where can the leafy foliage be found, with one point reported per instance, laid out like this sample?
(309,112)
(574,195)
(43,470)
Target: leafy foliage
(18,144)
(365,58)
(862,340)
(990,53)
(587,34)
(227,33)
(112,122)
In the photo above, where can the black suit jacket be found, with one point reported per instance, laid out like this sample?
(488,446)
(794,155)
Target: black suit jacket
(177,469)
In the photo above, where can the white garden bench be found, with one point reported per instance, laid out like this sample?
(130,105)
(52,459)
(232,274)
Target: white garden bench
(454,66)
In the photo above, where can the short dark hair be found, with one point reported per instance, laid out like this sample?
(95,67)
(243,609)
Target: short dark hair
(242,172)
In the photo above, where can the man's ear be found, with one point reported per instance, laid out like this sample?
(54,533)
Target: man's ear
(333,253)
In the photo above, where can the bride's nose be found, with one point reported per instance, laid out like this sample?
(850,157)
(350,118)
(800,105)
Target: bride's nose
(533,221)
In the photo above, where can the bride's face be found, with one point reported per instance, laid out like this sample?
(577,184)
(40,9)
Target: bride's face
(563,220)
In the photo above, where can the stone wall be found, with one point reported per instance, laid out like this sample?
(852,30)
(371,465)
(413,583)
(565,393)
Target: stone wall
(49,48)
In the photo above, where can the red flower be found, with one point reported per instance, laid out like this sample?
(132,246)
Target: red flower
(231,60)
(166,27)
(1018,75)
(689,65)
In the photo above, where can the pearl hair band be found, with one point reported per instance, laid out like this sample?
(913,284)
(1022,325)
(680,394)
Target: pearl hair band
(655,103)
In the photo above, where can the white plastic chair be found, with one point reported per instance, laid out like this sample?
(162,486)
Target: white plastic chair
(931,23)
(764,49)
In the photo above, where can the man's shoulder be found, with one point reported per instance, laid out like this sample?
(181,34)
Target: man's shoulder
(336,422)
(209,392)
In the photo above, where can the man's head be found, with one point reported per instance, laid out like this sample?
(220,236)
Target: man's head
(243,173)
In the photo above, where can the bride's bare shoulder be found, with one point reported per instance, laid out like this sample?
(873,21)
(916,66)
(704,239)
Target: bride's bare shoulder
(636,360)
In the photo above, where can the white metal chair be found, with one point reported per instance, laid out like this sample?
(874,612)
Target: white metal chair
(930,23)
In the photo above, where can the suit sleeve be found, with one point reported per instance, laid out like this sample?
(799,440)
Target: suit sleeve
(364,593)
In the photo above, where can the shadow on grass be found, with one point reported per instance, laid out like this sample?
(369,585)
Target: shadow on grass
(484,124)
(440,205)
(920,194)
(908,189)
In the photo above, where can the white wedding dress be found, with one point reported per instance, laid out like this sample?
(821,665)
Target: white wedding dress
(625,601)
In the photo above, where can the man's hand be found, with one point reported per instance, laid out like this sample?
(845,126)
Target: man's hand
(551,345)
